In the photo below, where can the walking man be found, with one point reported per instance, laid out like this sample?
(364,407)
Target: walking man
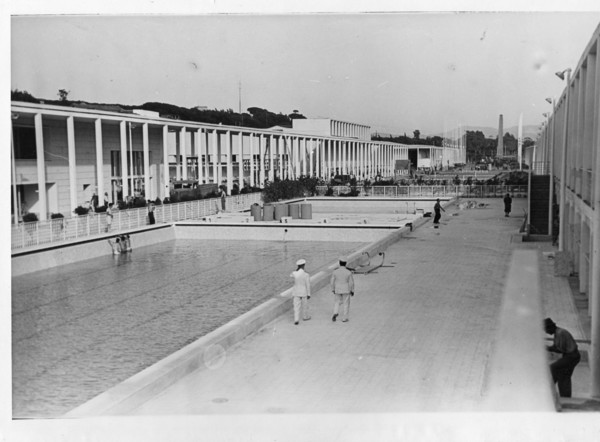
(301,291)
(507,205)
(562,369)
(437,208)
(342,286)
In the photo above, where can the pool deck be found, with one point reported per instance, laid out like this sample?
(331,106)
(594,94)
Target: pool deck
(417,342)
(412,355)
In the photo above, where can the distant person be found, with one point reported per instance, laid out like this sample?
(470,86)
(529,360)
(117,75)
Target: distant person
(105,199)
(223,195)
(301,291)
(437,208)
(125,244)
(116,246)
(507,205)
(151,218)
(109,217)
(342,286)
(94,202)
(562,369)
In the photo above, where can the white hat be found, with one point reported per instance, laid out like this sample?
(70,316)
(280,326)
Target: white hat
(343,259)
(300,262)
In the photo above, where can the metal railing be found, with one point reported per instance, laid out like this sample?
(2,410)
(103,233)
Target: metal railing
(58,230)
(463,190)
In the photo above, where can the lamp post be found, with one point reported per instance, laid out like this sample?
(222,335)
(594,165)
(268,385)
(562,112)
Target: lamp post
(563,170)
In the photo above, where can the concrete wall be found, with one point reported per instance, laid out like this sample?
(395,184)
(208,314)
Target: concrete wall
(57,255)
(282,232)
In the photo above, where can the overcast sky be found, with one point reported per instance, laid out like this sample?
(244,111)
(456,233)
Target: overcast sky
(396,72)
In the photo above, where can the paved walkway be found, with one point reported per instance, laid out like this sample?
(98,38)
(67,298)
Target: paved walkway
(418,339)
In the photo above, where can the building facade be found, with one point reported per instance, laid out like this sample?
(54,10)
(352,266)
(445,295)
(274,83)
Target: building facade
(63,157)
(569,149)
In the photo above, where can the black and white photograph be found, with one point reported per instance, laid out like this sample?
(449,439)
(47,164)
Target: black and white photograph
(306,221)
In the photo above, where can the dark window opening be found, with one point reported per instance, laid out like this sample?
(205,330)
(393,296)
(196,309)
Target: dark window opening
(24,139)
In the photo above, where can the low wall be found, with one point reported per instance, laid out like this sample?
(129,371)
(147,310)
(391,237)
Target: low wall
(60,254)
(517,377)
(283,232)
(372,204)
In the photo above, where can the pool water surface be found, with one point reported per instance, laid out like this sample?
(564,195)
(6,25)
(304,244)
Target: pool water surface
(78,330)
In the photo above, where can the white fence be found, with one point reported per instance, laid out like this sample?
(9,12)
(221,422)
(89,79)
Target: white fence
(464,191)
(53,231)
(64,229)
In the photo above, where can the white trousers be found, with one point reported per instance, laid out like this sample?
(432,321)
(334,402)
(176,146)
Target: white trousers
(300,306)
(342,299)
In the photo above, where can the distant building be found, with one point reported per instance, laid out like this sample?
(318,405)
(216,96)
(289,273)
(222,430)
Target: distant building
(332,128)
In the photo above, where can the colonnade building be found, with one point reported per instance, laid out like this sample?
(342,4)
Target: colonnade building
(62,156)
(568,151)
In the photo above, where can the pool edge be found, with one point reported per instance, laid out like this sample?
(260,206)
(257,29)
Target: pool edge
(139,388)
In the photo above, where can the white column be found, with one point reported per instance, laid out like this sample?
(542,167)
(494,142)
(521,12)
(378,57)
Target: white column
(310,156)
(206,142)
(165,187)
(229,159)
(148,191)
(299,160)
(99,160)
(563,173)
(241,160)
(124,170)
(318,144)
(72,162)
(261,159)
(216,157)
(280,151)
(334,162)
(303,156)
(251,168)
(41,167)
(194,153)
(328,162)
(362,147)
(183,153)
(344,157)
(201,147)
(272,149)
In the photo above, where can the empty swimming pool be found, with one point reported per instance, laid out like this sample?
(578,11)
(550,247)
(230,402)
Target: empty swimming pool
(78,330)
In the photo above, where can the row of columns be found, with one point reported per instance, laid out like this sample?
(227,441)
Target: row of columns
(284,156)
(350,130)
(268,155)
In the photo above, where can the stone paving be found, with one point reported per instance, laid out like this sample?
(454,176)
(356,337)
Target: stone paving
(419,337)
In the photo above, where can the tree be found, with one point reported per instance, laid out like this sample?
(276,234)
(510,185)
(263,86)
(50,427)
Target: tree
(63,94)
(417,134)
(479,147)
(17,95)
(295,115)
(510,144)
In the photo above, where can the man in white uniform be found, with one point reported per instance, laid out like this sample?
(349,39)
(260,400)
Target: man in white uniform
(342,286)
(301,291)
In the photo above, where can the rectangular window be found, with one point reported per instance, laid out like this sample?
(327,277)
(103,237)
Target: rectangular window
(24,139)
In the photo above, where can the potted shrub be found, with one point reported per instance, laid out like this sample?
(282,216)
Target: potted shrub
(30,217)
(79,210)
